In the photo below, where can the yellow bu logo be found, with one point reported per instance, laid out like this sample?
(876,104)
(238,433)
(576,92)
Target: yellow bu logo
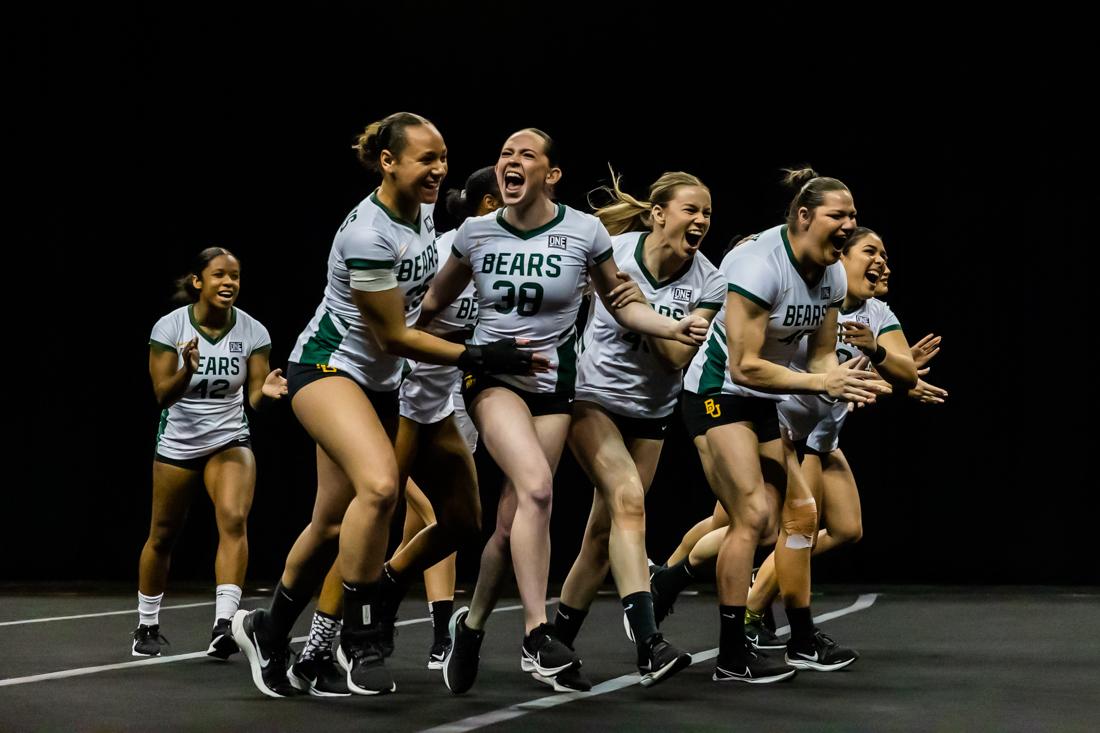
(327,369)
(713,409)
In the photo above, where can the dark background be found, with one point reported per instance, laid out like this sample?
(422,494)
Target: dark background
(967,144)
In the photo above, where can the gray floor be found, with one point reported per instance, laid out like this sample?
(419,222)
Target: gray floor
(932,659)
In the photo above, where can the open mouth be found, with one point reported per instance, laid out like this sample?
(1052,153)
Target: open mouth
(693,237)
(226,294)
(513,181)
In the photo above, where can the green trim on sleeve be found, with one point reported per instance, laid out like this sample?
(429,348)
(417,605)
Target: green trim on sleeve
(603,256)
(158,346)
(456,253)
(888,329)
(361,264)
(710,306)
(261,349)
(754,298)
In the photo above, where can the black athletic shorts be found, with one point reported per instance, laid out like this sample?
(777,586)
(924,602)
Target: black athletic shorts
(386,404)
(649,428)
(198,464)
(703,413)
(539,403)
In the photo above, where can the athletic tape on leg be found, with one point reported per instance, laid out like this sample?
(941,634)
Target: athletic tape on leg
(800,523)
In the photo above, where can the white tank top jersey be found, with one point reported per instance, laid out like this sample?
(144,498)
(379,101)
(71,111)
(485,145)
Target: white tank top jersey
(211,411)
(616,369)
(810,415)
(371,238)
(765,271)
(530,285)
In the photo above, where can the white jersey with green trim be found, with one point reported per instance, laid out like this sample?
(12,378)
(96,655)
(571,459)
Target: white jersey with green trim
(616,369)
(812,418)
(211,412)
(530,286)
(371,238)
(765,272)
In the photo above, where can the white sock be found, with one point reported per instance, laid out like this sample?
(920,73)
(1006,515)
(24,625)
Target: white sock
(149,609)
(227,599)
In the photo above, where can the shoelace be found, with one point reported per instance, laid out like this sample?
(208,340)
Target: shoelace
(824,638)
(365,648)
(146,634)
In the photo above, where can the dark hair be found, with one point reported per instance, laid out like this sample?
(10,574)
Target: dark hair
(385,134)
(462,204)
(185,291)
(549,148)
(809,188)
(857,234)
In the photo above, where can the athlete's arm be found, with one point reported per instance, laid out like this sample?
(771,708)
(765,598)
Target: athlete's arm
(889,353)
(746,328)
(640,318)
(262,382)
(674,354)
(384,313)
(447,285)
(170,381)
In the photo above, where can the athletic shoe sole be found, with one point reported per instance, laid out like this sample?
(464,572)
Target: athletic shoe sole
(135,653)
(436,663)
(817,666)
(352,687)
(304,684)
(527,664)
(553,682)
(452,627)
(222,647)
(247,646)
(728,677)
(651,678)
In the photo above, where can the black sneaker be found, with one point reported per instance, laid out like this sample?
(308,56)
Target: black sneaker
(439,653)
(568,680)
(658,660)
(267,657)
(319,676)
(654,568)
(222,645)
(662,603)
(760,669)
(543,653)
(460,664)
(820,653)
(360,654)
(147,641)
(761,637)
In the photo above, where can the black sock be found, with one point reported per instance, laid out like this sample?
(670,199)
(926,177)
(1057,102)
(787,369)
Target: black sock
(441,616)
(360,605)
(567,622)
(802,623)
(639,612)
(731,639)
(287,605)
(393,589)
(671,581)
(769,618)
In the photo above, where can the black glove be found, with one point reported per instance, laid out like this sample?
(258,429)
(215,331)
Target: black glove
(499,357)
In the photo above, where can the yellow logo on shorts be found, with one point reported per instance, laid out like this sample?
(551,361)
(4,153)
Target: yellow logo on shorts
(713,408)
(469,380)
(327,369)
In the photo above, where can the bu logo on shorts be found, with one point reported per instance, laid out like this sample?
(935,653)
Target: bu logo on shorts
(713,408)
(469,379)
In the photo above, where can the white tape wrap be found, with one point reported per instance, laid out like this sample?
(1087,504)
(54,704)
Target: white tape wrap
(373,281)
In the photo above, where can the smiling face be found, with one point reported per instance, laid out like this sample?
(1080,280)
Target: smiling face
(865,265)
(828,226)
(419,169)
(219,282)
(685,219)
(524,172)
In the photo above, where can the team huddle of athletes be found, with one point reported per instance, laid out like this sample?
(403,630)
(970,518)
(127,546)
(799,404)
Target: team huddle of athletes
(423,342)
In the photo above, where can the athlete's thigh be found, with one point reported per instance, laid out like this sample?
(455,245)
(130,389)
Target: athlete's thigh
(509,434)
(174,489)
(599,447)
(230,478)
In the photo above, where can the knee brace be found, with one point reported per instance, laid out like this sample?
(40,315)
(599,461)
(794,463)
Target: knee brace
(800,523)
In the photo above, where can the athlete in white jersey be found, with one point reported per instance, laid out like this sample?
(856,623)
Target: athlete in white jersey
(343,381)
(531,262)
(202,357)
(430,446)
(627,386)
(867,327)
(783,286)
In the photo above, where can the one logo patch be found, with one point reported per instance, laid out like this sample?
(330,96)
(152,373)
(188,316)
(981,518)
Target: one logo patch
(236,347)
(557,241)
(683,294)
(826,293)
(429,223)
(865,320)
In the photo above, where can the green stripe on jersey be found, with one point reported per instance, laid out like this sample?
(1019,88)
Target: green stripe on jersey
(567,364)
(603,256)
(321,344)
(710,306)
(891,327)
(198,329)
(163,425)
(755,299)
(713,375)
(534,232)
(158,346)
(359,264)
(455,252)
(414,225)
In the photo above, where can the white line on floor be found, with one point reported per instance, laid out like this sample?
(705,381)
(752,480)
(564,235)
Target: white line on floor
(132,609)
